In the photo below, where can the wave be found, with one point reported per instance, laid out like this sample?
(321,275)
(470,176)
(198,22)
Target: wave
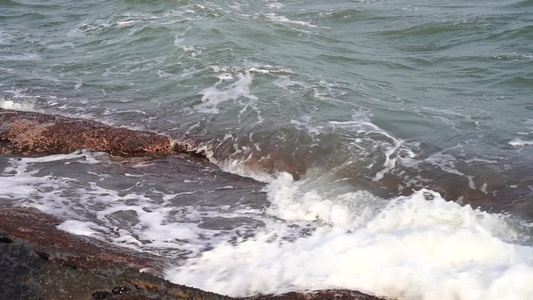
(236,236)
(414,247)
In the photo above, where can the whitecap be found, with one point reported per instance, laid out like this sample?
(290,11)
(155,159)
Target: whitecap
(213,96)
(21,106)
(415,247)
(520,143)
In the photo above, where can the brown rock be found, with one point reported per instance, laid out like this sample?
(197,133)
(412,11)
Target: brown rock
(32,133)
(38,261)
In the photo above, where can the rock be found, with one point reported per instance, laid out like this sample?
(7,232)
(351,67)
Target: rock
(319,295)
(31,133)
(38,261)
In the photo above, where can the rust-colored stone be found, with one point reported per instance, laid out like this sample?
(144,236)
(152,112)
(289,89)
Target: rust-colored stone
(31,133)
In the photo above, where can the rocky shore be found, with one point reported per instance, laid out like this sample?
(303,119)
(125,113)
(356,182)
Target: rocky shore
(39,261)
(32,133)
(42,262)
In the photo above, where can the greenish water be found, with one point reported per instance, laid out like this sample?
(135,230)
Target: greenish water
(378,97)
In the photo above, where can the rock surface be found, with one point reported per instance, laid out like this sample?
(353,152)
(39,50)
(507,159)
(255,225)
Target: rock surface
(38,261)
(32,133)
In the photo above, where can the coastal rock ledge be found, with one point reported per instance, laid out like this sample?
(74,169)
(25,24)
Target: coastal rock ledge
(32,133)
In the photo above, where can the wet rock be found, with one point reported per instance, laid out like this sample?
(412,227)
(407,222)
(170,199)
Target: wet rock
(319,295)
(32,133)
(71,251)
(38,261)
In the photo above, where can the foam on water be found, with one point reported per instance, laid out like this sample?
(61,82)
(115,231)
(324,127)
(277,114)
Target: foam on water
(216,94)
(241,168)
(310,201)
(315,233)
(416,247)
(282,19)
(133,212)
(10,104)
(520,143)
(79,227)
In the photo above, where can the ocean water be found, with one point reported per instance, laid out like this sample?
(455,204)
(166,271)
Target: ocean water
(382,146)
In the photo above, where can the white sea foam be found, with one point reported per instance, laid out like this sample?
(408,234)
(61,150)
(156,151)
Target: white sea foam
(305,201)
(285,82)
(275,5)
(306,123)
(19,99)
(217,94)
(79,227)
(5,37)
(282,19)
(416,247)
(10,104)
(145,219)
(315,236)
(22,57)
(395,150)
(520,143)
(240,167)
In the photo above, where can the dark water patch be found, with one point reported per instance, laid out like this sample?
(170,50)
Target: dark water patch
(519,4)
(124,218)
(518,82)
(9,3)
(523,33)
(22,17)
(221,223)
(187,177)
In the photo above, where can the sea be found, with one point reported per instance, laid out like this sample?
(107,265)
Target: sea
(381,146)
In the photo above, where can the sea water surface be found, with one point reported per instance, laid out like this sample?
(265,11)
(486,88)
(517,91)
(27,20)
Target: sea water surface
(382,146)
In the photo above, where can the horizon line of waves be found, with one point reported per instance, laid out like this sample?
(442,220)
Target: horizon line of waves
(520,4)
